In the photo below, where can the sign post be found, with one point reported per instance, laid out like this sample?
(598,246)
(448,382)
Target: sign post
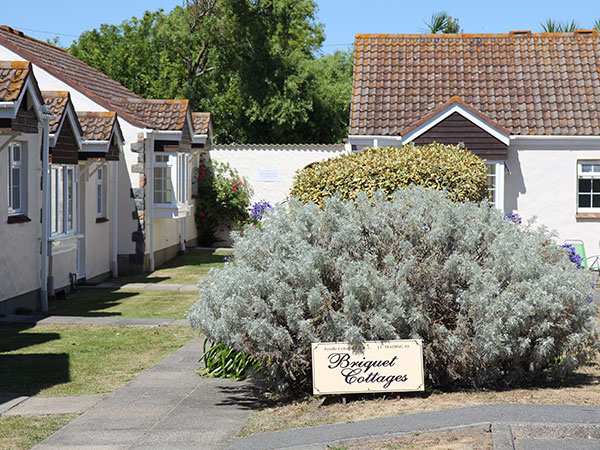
(381,366)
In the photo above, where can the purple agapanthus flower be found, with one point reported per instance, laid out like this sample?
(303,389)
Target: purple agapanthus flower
(575,258)
(259,208)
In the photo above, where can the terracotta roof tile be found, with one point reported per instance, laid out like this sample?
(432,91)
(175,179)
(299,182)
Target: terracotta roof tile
(56,102)
(201,122)
(97,126)
(528,83)
(13,75)
(158,114)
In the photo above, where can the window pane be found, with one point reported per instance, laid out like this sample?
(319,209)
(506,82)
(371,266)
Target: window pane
(586,168)
(596,201)
(70,189)
(585,201)
(585,185)
(595,185)
(16,153)
(16,188)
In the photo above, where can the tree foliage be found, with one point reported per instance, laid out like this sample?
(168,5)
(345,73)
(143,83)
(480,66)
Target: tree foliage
(442,22)
(252,64)
(553,26)
(494,302)
(437,166)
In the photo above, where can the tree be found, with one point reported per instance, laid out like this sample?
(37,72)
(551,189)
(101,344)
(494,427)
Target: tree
(441,22)
(251,63)
(552,26)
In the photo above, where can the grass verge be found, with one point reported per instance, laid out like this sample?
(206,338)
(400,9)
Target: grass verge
(125,303)
(464,439)
(68,360)
(187,268)
(583,388)
(24,432)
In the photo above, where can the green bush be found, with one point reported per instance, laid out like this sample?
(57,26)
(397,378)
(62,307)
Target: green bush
(223,200)
(436,166)
(495,303)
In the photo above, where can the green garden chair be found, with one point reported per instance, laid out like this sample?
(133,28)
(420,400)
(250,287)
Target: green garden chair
(591,262)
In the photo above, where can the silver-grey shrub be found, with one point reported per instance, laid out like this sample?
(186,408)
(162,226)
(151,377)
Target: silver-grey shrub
(494,302)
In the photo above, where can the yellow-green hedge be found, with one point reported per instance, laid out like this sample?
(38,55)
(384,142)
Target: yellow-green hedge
(436,166)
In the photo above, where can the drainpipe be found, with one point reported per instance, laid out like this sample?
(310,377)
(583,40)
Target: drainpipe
(150,197)
(114,266)
(182,236)
(45,206)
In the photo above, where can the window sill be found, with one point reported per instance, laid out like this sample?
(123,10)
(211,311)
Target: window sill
(101,219)
(588,216)
(18,218)
(170,211)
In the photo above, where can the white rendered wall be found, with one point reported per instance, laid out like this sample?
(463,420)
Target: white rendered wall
(543,184)
(286,159)
(97,235)
(20,256)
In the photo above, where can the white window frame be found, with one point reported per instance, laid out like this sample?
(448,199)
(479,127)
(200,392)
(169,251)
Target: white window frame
(62,199)
(592,175)
(18,189)
(164,162)
(174,168)
(101,192)
(183,189)
(496,171)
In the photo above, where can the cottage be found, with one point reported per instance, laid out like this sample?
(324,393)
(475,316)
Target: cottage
(118,191)
(527,103)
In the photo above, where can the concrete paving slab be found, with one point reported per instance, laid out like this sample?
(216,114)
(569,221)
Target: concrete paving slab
(7,402)
(167,406)
(34,406)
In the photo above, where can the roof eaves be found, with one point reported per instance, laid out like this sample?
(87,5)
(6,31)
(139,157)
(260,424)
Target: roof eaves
(70,82)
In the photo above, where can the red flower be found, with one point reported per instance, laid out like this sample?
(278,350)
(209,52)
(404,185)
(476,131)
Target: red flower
(201,214)
(234,189)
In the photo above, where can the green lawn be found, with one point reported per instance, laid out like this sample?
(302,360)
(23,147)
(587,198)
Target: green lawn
(183,269)
(20,432)
(125,303)
(66,360)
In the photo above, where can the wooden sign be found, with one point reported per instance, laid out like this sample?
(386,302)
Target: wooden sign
(382,366)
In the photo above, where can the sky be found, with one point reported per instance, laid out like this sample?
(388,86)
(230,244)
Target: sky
(343,19)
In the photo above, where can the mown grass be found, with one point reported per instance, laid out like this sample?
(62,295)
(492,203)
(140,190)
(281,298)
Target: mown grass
(125,303)
(583,388)
(69,360)
(187,268)
(24,432)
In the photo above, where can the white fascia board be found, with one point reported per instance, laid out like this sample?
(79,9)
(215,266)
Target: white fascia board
(8,110)
(95,146)
(199,138)
(553,138)
(556,142)
(167,135)
(370,137)
(457,108)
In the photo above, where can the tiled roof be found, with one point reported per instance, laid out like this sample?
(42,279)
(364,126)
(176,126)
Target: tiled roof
(201,122)
(544,84)
(13,75)
(157,114)
(56,102)
(97,126)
